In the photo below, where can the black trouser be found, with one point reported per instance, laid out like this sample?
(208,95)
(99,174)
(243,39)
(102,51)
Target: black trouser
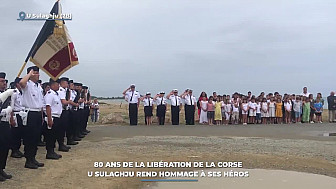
(190,114)
(185,112)
(80,122)
(4,143)
(133,113)
(17,134)
(175,114)
(51,134)
(70,129)
(32,133)
(86,118)
(63,126)
(161,114)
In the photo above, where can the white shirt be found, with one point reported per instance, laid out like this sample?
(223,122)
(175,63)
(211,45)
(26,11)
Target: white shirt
(148,101)
(17,101)
(4,115)
(175,100)
(161,100)
(258,106)
(297,106)
(53,100)
(62,94)
(95,105)
(32,96)
(305,94)
(81,105)
(252,105)
(187,100)
(288,106)
(228,108)
(234,108)
(132,96)
(73,95)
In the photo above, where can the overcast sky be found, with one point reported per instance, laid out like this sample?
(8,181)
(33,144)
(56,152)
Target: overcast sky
(210,45)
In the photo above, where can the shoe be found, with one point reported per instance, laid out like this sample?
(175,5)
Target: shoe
(41,143)
(5,175)
(72,142)
(65,146)
(2,178)
(52,155)
(87,131)
(59,155)
(30,164)
(312,122)
(63,149)
(81,136)
(84,133)
(77,139)
(38,163)
(16,154)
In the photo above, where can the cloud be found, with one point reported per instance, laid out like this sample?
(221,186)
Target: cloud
(217,45)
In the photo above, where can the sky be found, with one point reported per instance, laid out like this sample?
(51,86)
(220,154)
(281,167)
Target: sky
(206,45)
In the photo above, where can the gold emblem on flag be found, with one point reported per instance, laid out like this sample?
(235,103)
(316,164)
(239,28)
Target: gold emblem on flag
(54,65)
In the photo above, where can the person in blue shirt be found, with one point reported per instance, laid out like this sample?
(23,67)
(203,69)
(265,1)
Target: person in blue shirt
(318,107)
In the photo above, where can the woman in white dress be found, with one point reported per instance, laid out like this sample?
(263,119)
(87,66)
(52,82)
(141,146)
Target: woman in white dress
(203,114)
(264,111)
(271,110)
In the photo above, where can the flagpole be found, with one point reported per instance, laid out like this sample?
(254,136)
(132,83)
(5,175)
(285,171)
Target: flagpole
(22,67)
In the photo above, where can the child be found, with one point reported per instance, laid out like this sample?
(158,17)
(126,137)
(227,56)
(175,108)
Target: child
(228,111)
(264,111)
(211,110)
(252,111)
(218,110)
(224,110)
(235,112)
(312,109)
(148,108)
(306,110)
(244,107)
(258,111)
(278,111)
(318,106)
(288,111)
(297,109)
(204,109)
(271,110)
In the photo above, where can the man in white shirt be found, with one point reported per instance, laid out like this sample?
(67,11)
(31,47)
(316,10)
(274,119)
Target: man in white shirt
(81,112)
(305,92)
(132,97)
(75,115)
(54,122)
(4,128)
(190,105)
(175,106)
(32,101)
(62,93)
(70,95)
(17,130)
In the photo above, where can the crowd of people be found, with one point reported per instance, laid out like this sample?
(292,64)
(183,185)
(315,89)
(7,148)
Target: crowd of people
(271,108)
(40,114)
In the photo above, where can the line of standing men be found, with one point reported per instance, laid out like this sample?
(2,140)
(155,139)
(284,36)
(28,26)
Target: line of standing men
(133,98)
(60,109)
